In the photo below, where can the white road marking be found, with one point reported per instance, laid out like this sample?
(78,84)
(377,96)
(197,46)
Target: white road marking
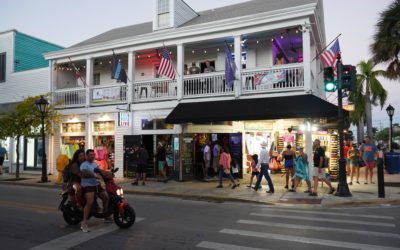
(220,246)
(305,240)
(70,240)
(331,213)
(325,229)
(381,224)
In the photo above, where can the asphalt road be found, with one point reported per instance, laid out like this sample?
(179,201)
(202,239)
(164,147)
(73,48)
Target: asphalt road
(29,220)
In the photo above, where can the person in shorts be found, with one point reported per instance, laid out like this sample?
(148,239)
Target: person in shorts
(161,159)
(354,157)
(369,153)
(254,170)
(289,156)
(143,157)
(318,170)
(90,186)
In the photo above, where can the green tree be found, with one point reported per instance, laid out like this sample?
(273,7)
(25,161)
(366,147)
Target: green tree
(386,45)
(25,121)
(369,91)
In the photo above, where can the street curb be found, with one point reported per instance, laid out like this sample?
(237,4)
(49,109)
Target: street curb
(219,199)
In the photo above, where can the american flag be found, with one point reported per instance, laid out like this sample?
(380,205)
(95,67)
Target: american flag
(329,56)
(166,66)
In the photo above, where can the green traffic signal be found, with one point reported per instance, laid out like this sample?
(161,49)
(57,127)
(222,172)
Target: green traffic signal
(329,80)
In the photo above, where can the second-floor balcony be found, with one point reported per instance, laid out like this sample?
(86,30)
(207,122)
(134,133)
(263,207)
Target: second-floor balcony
(271,63)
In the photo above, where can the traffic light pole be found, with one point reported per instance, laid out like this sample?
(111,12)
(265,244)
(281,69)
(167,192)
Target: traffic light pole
(343,188)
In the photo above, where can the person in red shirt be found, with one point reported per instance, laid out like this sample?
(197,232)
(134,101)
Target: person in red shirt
(347,146)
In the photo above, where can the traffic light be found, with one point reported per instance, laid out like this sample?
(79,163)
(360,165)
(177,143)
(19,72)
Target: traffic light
(329,80)
(349,77)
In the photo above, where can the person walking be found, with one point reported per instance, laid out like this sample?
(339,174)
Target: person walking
(206,158)
(318,170)
(161,159)
(225,167)
(346,149)
(263,164)
(216,155)
(143,157)
(354,157)
(369,153)
(288,155)
(254,170)
(301,171)
(3,154)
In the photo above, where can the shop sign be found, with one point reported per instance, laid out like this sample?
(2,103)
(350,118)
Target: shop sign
(258,126)
(270,78)
(107,94)
(124,119)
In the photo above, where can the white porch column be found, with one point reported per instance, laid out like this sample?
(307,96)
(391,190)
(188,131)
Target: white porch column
(238,62)
(89,77)
(51,78)
(88,133)
(309,149)
(180,73)
(131,76)
(307,57)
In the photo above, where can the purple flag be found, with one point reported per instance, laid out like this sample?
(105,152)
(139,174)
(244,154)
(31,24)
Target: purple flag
(230,67)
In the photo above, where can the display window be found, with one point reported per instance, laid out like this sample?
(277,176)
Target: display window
(104,149)
(104,126)
(77,127)
(70,144)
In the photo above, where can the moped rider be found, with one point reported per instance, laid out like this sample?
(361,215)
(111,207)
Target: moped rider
(90,186)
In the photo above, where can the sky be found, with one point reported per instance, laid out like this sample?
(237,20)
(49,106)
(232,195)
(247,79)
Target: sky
(68,22)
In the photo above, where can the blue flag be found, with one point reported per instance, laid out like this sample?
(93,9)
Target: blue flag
(230,67)
(117,72)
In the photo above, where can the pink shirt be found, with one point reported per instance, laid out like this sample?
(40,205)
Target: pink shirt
(225,160)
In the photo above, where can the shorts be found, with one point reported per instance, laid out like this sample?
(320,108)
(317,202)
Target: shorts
(355,164)
(370,164)
(321,175)
(93,189)
(141,168)
(161,165)
(207,164)
(1,161)
(348,161)
(289,163)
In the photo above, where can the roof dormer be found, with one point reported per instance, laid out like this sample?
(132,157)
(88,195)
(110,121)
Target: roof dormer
(171,14)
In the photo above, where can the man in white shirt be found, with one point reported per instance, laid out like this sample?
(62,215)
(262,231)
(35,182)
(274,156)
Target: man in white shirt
(206,158)
(263,161)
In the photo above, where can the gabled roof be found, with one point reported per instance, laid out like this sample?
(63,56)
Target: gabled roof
(212,15)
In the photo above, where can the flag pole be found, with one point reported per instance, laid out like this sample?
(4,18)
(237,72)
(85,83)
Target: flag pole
(76,69)
(322,51)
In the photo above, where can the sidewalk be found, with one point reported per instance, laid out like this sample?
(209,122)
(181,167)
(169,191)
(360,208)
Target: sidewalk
(361,194)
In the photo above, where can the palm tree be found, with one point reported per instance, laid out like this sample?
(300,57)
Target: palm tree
(369,91)
(386,46)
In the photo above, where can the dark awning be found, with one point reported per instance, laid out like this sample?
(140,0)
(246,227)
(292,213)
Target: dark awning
(286,107)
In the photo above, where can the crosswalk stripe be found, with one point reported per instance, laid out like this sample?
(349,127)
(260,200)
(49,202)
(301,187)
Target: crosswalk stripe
(325,229)
(306,240)
(381,224)
(330,213)
(73,239)
(220,246)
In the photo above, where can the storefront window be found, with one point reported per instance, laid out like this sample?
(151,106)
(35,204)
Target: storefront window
(78,127)
(155,124)
(103,126)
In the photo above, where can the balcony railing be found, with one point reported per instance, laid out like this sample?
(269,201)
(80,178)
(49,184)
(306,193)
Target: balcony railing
(209,84)
(70,98)
(111,94)
(275,79)
(153,90)
(282,78)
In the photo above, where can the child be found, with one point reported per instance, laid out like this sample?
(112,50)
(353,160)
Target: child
(254,170)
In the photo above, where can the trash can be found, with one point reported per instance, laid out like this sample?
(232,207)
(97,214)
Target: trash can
(393,163)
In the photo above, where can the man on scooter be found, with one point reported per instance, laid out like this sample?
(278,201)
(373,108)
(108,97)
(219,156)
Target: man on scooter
(90,186)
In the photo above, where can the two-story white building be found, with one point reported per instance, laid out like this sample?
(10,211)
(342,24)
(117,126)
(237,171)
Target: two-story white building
(23,72)
(277,96)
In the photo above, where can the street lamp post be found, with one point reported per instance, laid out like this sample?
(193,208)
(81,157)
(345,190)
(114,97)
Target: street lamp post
(390,112)
(343,189)
(42,105)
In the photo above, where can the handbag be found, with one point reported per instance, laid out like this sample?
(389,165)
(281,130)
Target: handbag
(361,163)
